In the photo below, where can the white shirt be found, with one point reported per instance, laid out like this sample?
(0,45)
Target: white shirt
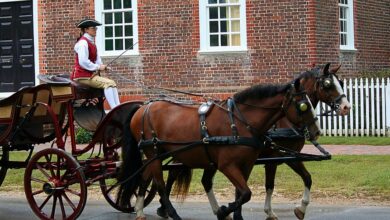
(81,48)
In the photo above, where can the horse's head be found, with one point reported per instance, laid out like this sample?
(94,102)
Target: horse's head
(300,111)
(329,89)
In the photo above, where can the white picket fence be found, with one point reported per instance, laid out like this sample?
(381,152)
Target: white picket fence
(370,113)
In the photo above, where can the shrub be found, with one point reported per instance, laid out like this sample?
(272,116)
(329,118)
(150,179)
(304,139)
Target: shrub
(83,136)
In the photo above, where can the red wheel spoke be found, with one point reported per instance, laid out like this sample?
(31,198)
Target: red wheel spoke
(44,202)
(37,180)
(68,201)
(73,192)
(62,207)
(111,188)
(53,208)
(43,171)
(50,165)
(37,192)
(58,167)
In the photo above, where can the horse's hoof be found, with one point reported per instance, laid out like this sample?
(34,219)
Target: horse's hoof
(299,214)
(162,212)
(222,213)
(272,218)
(140,218)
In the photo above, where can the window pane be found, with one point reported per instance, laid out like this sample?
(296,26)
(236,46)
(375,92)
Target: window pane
(224,40)
(127,4)
(224,26)
(214,41)
(129,43)
(236,40)
(213,26)
(235,12)
(128,17)
(118,17)
(223,12)
(108,18)
(118,31)
(117,4)
(236,26)
(118,44)
(213,12)
(109,45)
(233,1)
(108,32)
(212,1)
(128,30)
(107,5)
(222,1)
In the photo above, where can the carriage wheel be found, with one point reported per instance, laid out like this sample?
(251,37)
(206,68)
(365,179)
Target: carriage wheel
(4,157)
(54,185)
(110,193)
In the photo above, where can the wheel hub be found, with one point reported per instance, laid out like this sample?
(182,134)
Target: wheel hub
(49,188)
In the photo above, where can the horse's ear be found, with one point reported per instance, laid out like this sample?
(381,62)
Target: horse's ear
(326,69)
(297,84)
(334,70)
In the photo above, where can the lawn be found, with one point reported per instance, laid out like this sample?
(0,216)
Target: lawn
(341,140)
(345,176)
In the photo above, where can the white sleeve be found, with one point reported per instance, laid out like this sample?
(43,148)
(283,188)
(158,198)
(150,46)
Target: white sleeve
(98,59)
(81,48)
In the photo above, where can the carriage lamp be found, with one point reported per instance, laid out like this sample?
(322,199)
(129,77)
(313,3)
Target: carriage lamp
(327,83)
(303,107)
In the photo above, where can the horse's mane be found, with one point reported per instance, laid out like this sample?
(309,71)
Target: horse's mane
(310,73)
(260,91)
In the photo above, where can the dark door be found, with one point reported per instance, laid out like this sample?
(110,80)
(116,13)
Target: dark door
(16,46)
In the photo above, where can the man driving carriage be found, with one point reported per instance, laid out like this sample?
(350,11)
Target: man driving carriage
(88,63)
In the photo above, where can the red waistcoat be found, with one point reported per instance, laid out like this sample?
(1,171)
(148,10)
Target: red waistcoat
(80,71)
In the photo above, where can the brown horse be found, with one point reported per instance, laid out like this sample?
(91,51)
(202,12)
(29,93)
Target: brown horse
(164,129)
(320,85)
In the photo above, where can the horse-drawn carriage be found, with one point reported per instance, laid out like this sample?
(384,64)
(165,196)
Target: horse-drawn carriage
(56,179)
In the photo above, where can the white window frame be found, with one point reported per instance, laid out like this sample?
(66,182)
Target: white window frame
(99,7)
(205,30)
(350,33)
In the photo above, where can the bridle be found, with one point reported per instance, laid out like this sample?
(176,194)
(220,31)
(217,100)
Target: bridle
(325,83)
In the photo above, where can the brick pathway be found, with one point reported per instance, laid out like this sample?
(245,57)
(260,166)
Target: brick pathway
(350,149)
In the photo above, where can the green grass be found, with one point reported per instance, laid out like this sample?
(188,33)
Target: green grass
(346,176)
(375,141)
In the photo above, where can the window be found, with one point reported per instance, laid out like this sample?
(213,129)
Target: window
(222,25)
(119,31)
(346,33)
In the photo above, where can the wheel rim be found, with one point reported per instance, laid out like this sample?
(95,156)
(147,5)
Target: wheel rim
(110,193)
(4,156)
(55,185)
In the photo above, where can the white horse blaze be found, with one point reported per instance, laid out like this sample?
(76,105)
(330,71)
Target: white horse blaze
(344,104)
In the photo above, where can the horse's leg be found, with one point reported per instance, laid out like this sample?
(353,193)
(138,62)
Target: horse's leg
(301,170)
(139,204)
(239,179)
(159,180)
(172,175)
(207,182)
(270,171)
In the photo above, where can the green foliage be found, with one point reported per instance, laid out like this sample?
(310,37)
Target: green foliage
(83,136)
(376,73)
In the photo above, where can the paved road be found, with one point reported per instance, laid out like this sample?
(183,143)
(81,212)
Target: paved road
(18,209)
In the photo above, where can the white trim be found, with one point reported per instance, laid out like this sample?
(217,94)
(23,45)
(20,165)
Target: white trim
(99,34)
(350,27)
(36,43)
(204,30)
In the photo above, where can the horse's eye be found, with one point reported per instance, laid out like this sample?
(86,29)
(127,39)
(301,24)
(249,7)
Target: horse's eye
(303,106)
(327,83)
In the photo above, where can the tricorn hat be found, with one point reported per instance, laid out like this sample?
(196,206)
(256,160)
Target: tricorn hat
(88,23)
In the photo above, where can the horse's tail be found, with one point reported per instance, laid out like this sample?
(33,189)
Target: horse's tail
(131,162)
(182,183)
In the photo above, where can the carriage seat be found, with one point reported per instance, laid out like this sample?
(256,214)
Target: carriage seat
(81,91)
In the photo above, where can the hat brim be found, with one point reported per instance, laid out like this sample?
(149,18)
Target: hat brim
(88,23)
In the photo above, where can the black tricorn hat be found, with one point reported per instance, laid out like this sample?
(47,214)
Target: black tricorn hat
(88,23)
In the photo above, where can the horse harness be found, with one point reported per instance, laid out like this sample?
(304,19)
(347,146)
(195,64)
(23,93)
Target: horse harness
(256,141)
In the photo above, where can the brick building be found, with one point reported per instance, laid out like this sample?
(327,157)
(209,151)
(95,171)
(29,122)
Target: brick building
(205,46)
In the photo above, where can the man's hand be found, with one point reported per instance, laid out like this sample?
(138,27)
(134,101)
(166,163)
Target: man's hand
(102,67)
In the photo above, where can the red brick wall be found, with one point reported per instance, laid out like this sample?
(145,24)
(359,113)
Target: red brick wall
(283,37)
